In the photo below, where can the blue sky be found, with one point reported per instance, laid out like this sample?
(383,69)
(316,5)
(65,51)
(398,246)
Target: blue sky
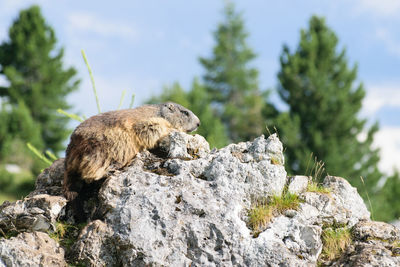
(141,46)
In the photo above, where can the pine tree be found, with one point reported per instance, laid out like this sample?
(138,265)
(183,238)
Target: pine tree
(197,100)
(324,101)
(32,64)
(386,202)
(231,83)
(211,126)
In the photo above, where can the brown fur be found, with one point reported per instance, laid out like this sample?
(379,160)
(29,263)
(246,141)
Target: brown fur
(110,141)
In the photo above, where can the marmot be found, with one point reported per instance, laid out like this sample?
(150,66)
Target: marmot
(109,141)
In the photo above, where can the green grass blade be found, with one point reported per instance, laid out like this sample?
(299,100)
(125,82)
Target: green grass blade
(122,99)
(132,100)
(51,155)
(38,154)
(72,116)
(92,79)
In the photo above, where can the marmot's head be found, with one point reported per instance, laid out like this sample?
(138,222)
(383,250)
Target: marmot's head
(181,118)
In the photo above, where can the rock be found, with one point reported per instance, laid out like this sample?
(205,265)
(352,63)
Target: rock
(375,244)
(346,196)
(94,246)
(367,230)
(298,184)
(396,223)
(31,249)
(50,180)
(189,206)
(187,146)
(368,255)
(342,205)
(196,216)
(294,238)
(37,213)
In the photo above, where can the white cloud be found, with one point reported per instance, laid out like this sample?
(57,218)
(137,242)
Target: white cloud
(381,95)
(388,140)
(86,22)
(391,44)
(381,8)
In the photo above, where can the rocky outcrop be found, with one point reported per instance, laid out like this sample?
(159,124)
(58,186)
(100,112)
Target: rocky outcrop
(31,249)
(187,205)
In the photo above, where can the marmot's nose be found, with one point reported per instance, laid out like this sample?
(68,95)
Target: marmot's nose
(198,124)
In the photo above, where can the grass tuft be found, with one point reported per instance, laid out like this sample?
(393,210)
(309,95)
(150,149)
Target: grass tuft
(335,241)
(259,217)
(317,169)
(264,210)
(317,188)
(66,234)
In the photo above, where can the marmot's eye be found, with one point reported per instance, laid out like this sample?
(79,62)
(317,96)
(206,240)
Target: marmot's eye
(185,112)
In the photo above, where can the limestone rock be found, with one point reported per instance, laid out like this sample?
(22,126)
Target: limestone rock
(189,207)
(36,213)
(367,230)
(31,249)
(348,198)
(370,254)
(94,246)
(187,146)
(298,184)
(342,205)
(198,215)
(50,180)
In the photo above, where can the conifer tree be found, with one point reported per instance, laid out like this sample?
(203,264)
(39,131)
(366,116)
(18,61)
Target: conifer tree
(231,82)
(386,204)
(324,101)
(32,64)
(197,100)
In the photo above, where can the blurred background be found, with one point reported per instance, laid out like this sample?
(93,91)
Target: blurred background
(323,75)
